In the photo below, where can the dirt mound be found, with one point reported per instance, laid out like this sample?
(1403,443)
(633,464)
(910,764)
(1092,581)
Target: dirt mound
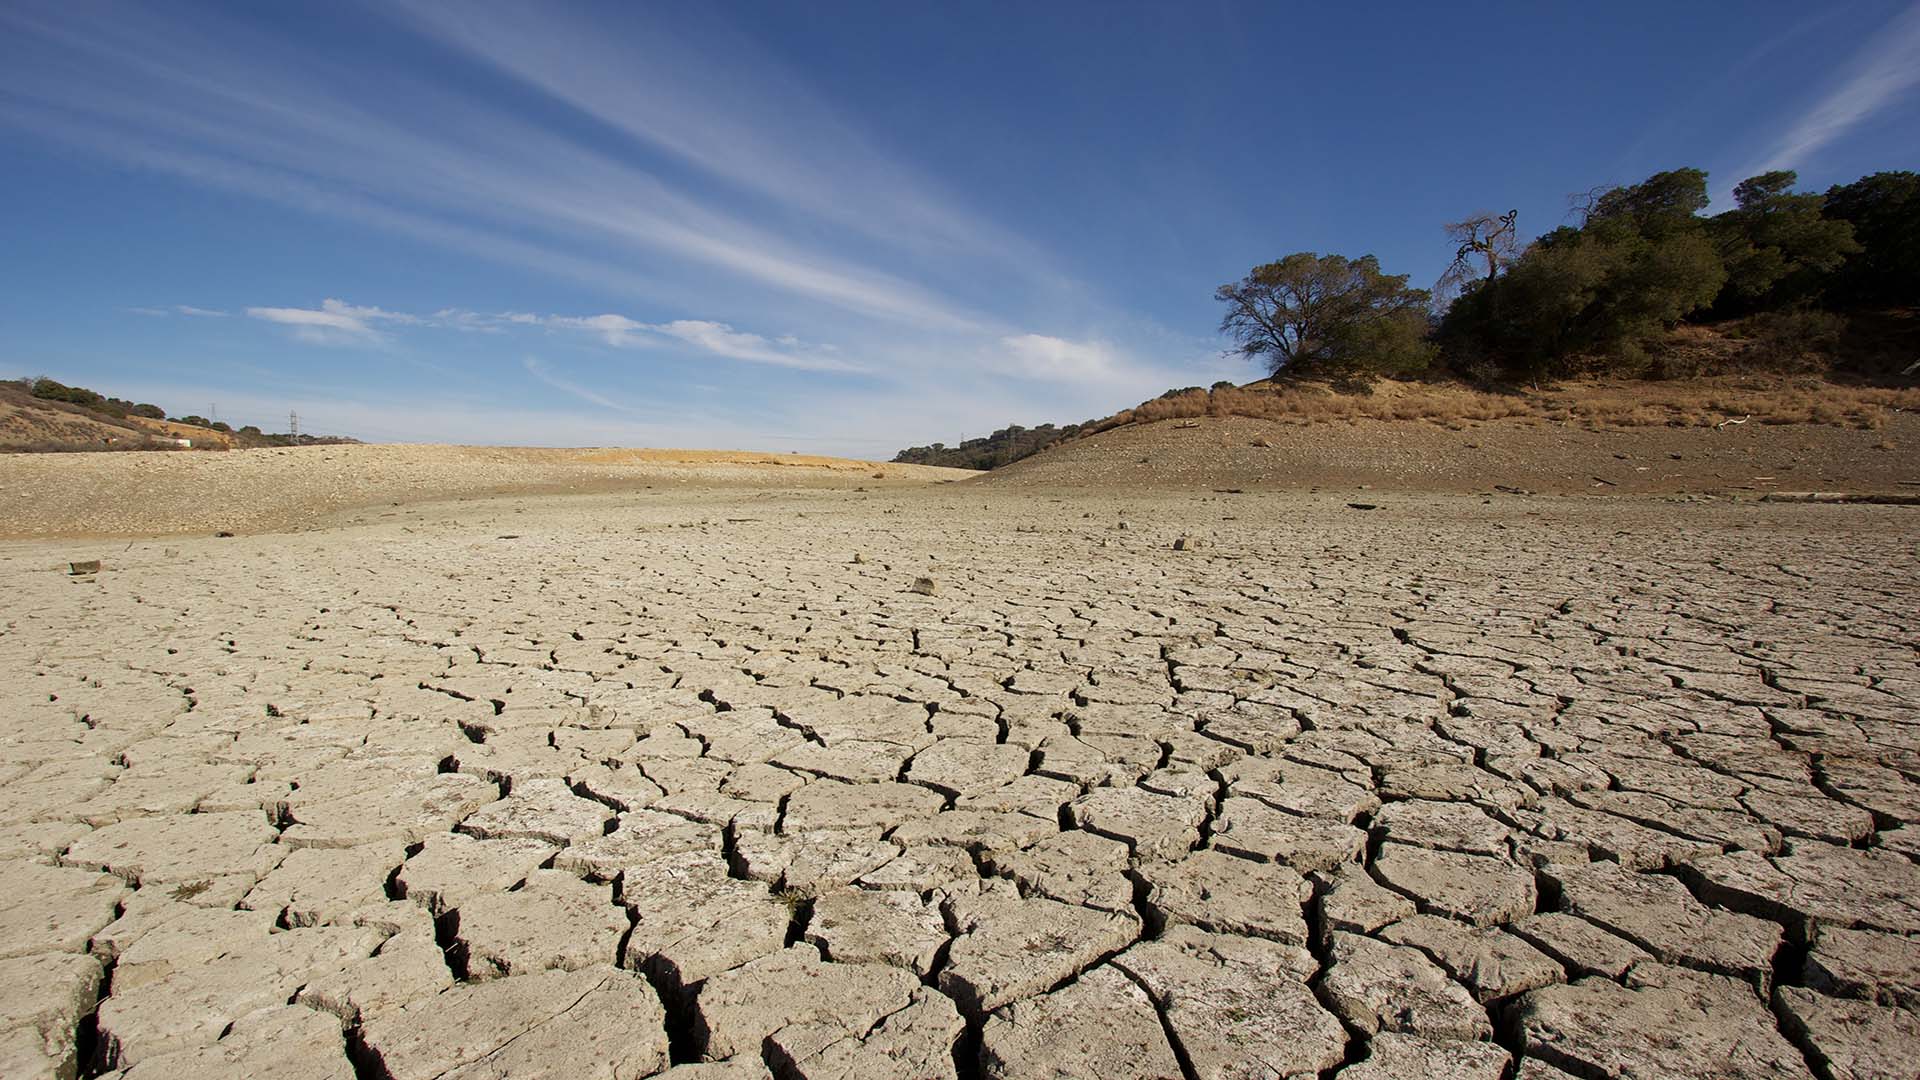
(1527,452)
(246,491)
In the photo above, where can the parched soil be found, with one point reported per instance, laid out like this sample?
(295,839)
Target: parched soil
(151,493)
(969,781)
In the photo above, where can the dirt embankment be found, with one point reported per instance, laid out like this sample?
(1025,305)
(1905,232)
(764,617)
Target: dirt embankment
(1240,452)
(246,491)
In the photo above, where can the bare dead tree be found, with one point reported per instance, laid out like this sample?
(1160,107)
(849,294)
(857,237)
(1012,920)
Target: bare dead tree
(1582,204)
(1486,243)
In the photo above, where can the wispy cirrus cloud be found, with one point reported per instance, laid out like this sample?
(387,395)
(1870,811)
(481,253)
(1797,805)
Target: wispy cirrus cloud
(749,121)
(537,368)
(181,309)
(1043,357)
(219,103)
(336,322)
(1877,76)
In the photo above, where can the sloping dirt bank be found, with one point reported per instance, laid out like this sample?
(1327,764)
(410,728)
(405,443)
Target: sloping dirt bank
(1239,452)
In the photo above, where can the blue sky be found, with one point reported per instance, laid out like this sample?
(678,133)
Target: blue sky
(839,228)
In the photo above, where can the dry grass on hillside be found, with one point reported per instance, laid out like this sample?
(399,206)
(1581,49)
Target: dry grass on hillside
(1594,403)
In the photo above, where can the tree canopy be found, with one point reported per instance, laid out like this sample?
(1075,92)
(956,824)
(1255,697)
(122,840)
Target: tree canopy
(1884,212)
(1311,314)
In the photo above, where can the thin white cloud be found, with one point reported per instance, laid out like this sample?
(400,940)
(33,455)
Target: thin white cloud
(539,370)
(319,327)
(722,340)
(334,322)
(1039,356)
(245,111)
(616,330)
(1876,76)
(715,99)
(180,309)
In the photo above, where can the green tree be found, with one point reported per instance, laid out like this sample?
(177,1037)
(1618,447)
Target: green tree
(1310,314)
(1588,296)
(1777,245)
(1884,210)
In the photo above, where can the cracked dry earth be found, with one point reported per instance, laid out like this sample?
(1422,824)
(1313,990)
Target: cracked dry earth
(700,786)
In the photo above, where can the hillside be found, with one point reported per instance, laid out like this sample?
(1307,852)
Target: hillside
(1525,452)
(1764,369)
(42,415)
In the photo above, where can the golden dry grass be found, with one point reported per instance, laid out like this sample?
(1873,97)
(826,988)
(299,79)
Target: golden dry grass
(1592,403)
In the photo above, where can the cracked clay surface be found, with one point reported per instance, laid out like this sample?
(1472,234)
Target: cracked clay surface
(962,783)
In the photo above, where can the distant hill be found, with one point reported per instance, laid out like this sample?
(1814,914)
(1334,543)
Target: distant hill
(43,414)
(1766,368)
(1003,447)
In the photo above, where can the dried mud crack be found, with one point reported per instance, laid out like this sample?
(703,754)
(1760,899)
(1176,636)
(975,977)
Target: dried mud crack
(699,784)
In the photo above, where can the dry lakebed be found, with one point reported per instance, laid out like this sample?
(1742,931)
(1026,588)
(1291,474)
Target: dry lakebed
(944,780)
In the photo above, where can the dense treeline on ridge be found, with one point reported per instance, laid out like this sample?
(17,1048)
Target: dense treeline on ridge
(1806,279)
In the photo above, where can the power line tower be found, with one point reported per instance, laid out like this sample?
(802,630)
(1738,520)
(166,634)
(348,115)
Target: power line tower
(293,426)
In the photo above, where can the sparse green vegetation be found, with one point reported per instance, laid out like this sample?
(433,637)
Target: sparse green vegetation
(1646,286)
(72,418)
(1009,444)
